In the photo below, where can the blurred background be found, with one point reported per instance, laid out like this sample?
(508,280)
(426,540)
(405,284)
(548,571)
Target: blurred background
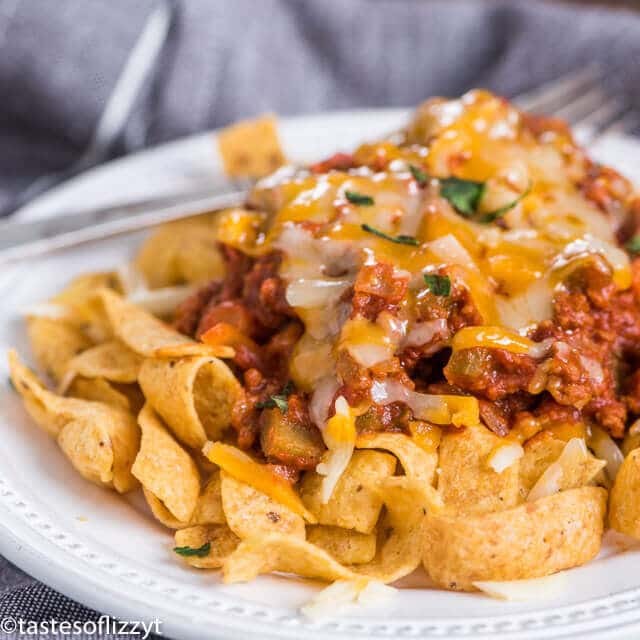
(83,81)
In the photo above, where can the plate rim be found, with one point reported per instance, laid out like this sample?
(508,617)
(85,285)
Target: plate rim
(65,569)
(69,566)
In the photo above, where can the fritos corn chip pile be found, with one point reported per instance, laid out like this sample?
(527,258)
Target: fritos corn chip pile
(422,352)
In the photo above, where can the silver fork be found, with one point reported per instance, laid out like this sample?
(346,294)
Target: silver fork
(578,97)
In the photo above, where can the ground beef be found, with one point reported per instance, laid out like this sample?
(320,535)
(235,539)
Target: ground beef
(188,315)
(596,334)
(233,312)
(264,292)
(287,472)
(245,416)
(589,374)
(541,125)
(631,392)
(264,374)
(357,380)
(567,374)
(603,325)
(378,287)
(251,298)
(237,265)
(337,162)
(490,373)
(630,226)
(458,309)
(544,413)
(279,349)
(249,357)
(606,188)
(500,415)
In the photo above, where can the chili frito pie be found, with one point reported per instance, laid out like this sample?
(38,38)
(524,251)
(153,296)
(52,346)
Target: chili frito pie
(420,352)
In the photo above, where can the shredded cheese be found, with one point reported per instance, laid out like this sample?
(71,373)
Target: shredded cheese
(245,469)
(339,435)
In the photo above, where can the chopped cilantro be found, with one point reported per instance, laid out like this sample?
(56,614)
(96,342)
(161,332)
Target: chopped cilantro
(498,213)
(200,552)
(279,400)
(464,195)
(358,198)
(438,285)
(401,239)
(633,245)
(420,176)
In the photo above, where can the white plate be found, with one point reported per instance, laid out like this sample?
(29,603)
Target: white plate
(110,555)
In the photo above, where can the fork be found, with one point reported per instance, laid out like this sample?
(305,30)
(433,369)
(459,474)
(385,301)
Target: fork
(577,97)
(580,99)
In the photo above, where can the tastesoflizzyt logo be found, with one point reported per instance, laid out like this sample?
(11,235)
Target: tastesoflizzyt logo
(140,630)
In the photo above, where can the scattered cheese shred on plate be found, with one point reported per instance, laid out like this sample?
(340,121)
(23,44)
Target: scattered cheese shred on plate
(523,590)
(347,596)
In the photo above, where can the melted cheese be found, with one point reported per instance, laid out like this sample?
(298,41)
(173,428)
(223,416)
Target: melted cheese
(367,342)
(491,338)
(425,435)
(245,469)
(510,268)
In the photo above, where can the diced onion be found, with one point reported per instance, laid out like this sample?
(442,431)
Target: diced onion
(368,355)
(348,595)
(541,349)
(310,257)
(523,590)
(428,407)
(606,449)
(439,409)
(505,455)
(395,328)
(449,250)
(424,332)
(309,293)
(386,392)
(310,363)
(593,368)
(573,454)
(528,308)
(321,400)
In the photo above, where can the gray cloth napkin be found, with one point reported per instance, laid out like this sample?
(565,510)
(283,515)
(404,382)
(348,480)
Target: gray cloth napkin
(223,60)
